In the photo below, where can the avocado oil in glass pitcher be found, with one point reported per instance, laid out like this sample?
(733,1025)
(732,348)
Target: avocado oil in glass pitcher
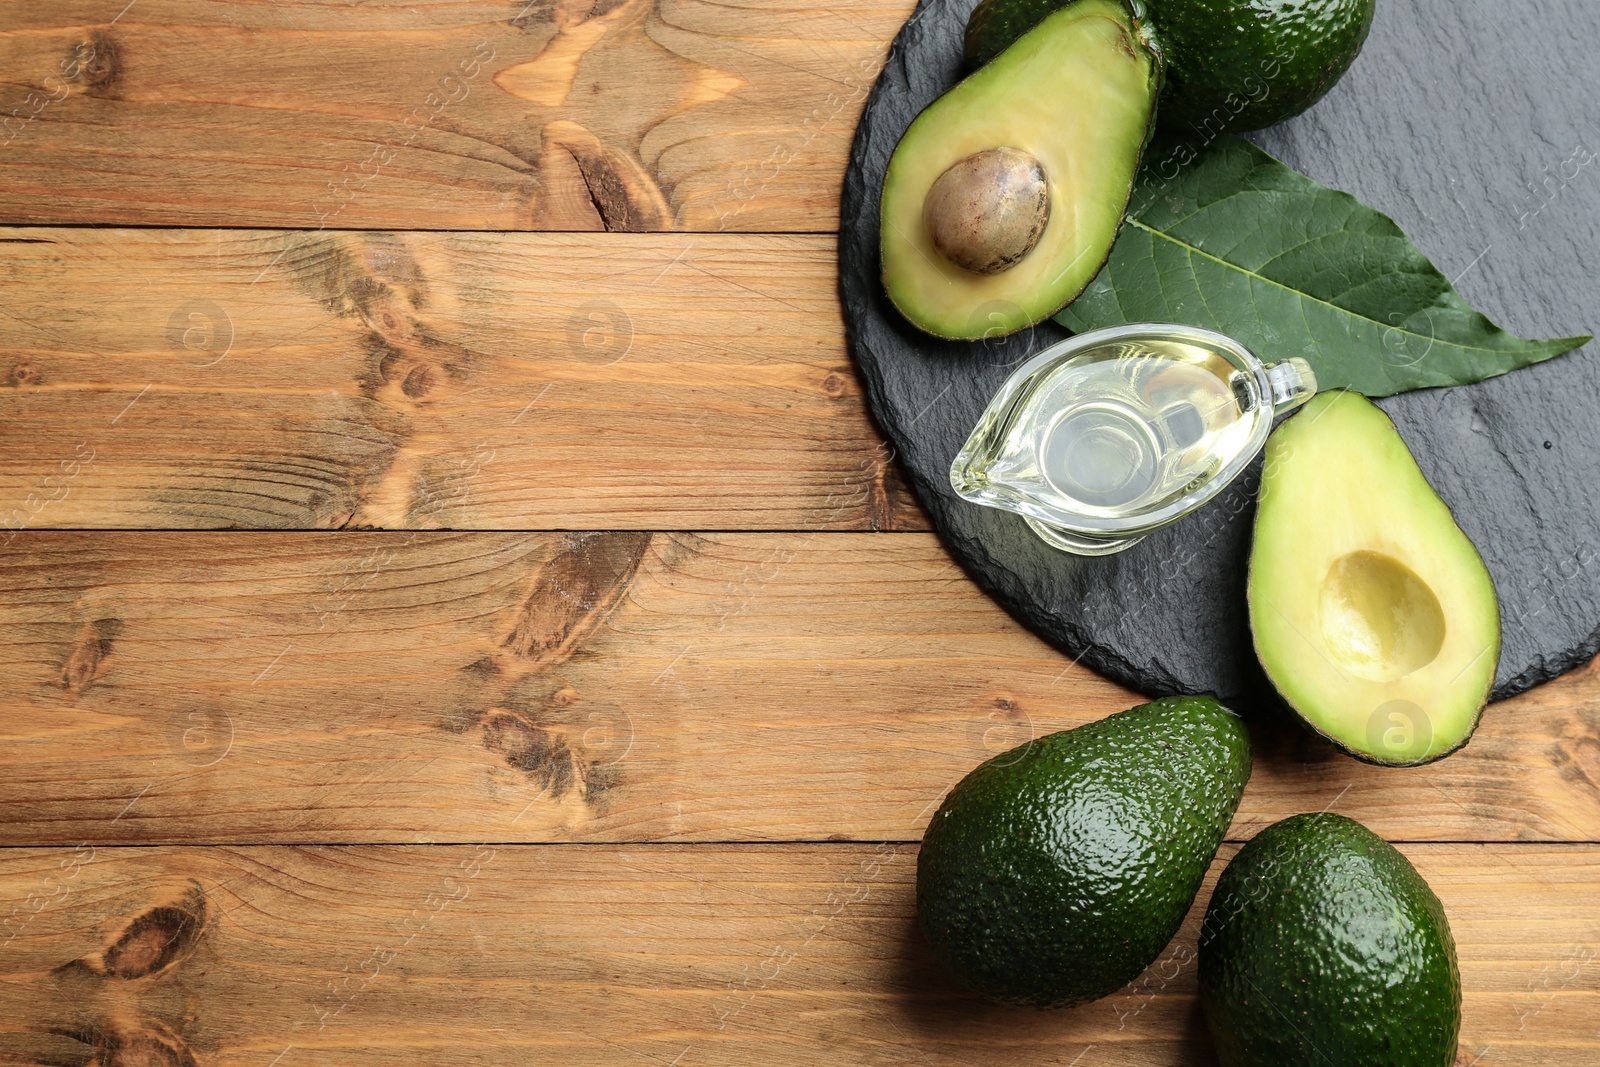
(1110,435)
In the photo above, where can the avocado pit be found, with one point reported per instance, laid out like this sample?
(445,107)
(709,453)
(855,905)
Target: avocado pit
(987,211)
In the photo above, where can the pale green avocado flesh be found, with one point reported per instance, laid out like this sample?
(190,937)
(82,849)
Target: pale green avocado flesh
(1373,614)
(1077,93)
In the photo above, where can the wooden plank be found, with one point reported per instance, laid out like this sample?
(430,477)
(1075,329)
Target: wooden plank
(269,379)
(537,115)
(697,955)
(327,687)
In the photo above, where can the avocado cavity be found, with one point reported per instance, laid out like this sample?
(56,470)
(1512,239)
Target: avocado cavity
(1378,618)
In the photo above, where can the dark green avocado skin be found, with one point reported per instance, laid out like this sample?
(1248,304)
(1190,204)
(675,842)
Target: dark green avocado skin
(1240,65)
(1056,872)
(1323,945)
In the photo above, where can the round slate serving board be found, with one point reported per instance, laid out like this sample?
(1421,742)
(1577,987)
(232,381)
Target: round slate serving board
(1477,133)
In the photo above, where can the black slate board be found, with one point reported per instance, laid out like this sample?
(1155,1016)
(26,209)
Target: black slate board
(1477,133)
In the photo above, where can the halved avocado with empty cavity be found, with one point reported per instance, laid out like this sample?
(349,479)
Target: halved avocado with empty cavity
(1003,198)
(1373,614)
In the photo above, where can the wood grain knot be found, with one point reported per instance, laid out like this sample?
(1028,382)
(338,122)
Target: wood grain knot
(23,372)
(620,189)
(95,64)
(565,82)
(87,661)
(882,490)
(375,280)
(1576,754)
(542,752)
(572,593)
(542,13)
(536,724)
(145,1043)
(153,942)
(370,277)
(419,381)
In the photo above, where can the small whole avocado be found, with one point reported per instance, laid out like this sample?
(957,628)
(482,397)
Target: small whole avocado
(1231,65)
(1056,872)
(1372,612)
(1240,65)
(1004,196)
(1323,945)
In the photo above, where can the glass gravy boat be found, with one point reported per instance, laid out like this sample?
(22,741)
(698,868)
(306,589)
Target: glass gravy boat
(1110,435)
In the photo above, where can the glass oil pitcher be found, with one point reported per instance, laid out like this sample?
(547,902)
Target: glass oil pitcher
(1110,435)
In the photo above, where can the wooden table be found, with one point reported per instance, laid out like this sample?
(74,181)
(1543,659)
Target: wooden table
(457,608)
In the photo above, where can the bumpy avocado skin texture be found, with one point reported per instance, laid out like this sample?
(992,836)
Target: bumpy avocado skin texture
(1240,65)
(1322,944)
(1056,872)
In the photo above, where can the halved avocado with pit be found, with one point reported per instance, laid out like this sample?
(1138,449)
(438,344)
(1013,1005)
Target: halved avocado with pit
(1373,613)
(1003,198)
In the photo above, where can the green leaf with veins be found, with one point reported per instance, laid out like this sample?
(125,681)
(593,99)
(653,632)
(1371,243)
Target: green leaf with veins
(1237,242)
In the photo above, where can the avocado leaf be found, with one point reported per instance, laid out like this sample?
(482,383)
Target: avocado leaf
(1234,241)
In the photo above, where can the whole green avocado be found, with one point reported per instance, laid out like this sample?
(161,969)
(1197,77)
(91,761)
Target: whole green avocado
(1240,65)
(1323,945)
(1056,872)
